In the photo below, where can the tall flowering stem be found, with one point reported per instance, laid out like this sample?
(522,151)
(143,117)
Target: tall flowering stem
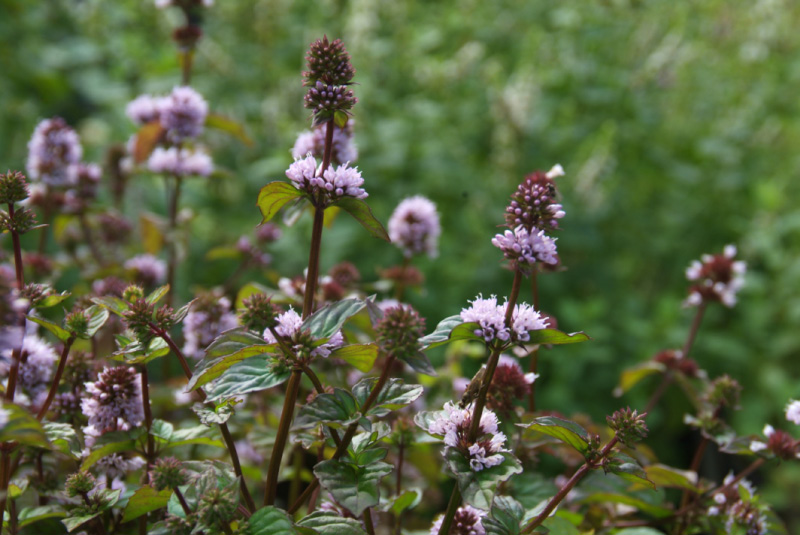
(480,402)
(51,394)
(568,486)
(289,401)
(172,262)
(223,427)
(535,353)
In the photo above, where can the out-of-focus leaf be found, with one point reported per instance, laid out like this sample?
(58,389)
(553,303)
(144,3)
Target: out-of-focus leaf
(53,300)
(406,500)
(360,356)
(631,377)
(229,126)
(31,515)
(157,294)
(114,304)
(504,518)
(114,442)
(667,476)
(271,521)
(151,227)
(64,439)
(363,214)
(329,523)
(146,139)
(97,318)
(145,500)
(22,427)
(627,468)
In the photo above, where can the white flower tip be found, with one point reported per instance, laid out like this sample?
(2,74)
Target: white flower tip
(729,251)
(768,430)
(555,171)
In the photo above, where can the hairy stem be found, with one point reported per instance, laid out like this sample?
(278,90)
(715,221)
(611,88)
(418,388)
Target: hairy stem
(62,362)
(223,427)
(292,387)
(568,486)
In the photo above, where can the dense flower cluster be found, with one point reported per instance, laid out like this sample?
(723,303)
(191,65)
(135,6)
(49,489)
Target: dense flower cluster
(453,424)
(54,153)
(467,521)
(289,326)
(492,324)
(180,162)
(793,412)
(113,402)
(716,278)
(328,76)
(414,226)
(344,150)
(37,360)
(524,249)
(182,113)
(331,185)
(730,503)
(533,205)
(208,318)
(509,384)
(399,331)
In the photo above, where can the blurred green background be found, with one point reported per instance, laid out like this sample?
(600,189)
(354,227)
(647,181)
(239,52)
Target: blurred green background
(677,124)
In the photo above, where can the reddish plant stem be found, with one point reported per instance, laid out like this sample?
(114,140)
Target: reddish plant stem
(320,390)
(535,353)
(182,501)
(401,286)
(292,388)
(62,363)
(696,460)
(480,402)
(349,433)
(687,346)
(172,250)
(223,427)
(368,522)
(148,420)
(568,486)
(17,250)
(87,236)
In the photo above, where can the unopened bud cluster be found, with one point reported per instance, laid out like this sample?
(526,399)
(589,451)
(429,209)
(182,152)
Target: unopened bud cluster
(724,391)
(399,331)
(217,507)
(13,187)
(168,473)
(259,313)
(142,316)
(328,75)
(80,484)
(629,425)
(77,323)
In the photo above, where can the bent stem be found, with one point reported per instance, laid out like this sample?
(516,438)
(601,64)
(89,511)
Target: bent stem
(568,486)
(223,427)
(292,387)
(687,346)
(480,402)
(51,394)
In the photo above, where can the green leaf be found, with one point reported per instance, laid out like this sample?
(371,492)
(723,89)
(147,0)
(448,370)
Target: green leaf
(228,349)
(274,196)
(667,476)
(627,468)
(106,497)
(114,442)
(420,363)
(271,521)
(214,415)
(22,427)
(394,395)
(340,118)
(564,430)
(251,288)
(53,300)
(251,375)
(336,410)
(531,488)
(613,497)
(146,139)
(560,526)
(360,356)
(61,334)
(639,531)
(504,518)
(114,304)
(157,294)
(74,522)
(64,439)
(478,487)
(133,352)
(229,126)
(406,500)
(145,500)
(355,487)
(441,335)
(97,318)
(632,376)
(329,523)
(328,320)
(363,214)
(556,337)
(31,515)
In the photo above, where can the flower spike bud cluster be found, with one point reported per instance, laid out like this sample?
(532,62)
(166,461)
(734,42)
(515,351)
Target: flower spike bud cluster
(332,185)
(491,320)
(344,150)
(399,331)
(414,227)
(289,327)
(533,205)
(168,473)
(13,187)
(509,384)
(113,402)
(525,249)
(259,313)
(629,425)
(453,424)
(780,443)
(716,278)
(467,521)
(54,153)
(328,76)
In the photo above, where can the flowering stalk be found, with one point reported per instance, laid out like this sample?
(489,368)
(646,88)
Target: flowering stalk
(368,522)
(223,427)
(687,346)
(480,402)
(51,394)
(535,353)
(292,387)
(172,253)
(568,486)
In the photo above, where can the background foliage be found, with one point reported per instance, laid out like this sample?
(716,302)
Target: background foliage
(677,124)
